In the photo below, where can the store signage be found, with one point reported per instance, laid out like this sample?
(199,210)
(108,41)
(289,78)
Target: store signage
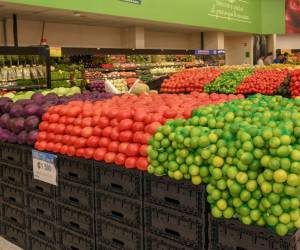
(44,167)
(55,52)
(232,10)
(132,1)
(209,52)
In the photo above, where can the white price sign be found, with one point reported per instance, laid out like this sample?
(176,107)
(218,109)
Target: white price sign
(44,167)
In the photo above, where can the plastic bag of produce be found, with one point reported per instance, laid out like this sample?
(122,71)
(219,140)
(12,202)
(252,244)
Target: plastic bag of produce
(110,88)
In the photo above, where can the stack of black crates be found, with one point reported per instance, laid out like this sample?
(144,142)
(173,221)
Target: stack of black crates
(119,208)
(175,215)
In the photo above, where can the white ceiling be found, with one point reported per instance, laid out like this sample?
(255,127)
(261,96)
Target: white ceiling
(35,13)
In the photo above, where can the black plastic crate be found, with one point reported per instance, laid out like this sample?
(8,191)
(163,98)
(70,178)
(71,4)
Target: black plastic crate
(12,154)
(13,195)
(113,235)
(15,235)
(76,170)
(42,207)
(178,195)
(12,175)
(119,180)
(232,234)
(175,226)
(38,244)
(27,157)
(39,187)
(116,207)
(76,195)
(76,220)
(73,241)
(14,215)
(160,243)
(43,229)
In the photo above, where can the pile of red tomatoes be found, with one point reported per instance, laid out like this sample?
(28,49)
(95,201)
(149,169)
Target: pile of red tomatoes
(115,130)
(190,80)
(295,83)
(263,82)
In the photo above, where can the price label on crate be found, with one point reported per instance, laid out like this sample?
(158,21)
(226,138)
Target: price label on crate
(44,167)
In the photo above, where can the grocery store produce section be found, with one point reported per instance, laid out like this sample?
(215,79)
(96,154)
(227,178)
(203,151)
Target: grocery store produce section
(215,156)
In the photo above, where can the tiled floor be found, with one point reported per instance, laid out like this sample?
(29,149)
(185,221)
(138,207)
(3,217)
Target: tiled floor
(6,245)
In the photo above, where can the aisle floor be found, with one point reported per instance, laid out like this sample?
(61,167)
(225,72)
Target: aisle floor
(6,245)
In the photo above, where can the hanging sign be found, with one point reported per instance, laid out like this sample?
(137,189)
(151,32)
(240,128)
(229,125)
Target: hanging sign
(44,167)
(132,1)
(55,52)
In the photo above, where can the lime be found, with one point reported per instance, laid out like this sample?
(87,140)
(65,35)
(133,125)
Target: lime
(236,202)
(194,170)
(285,164)
(276,210)
(235,189)
(258,153)
(205,153)
(204,171)
(285,203)
(218,161)
(232,172)
(247,158)
(173,166)
(274,198)
(274,142)
(255,214)
(294,215)
(151,169)
(216,194)
(265,203)
(295,168)
(178,175)
(297,223)
(295,155)
(196,180)
(221,204)
(258,141)
(257,194)
(267,134)
(158,136)
(246,220)
(261,222)
(285,218)
(245,195)
(198,160)
(221,184)
(252,203)
(242,177)
(289,190)
(280,176)
(271,220)
(217,173)
(228,213)
(213,138)
(222,152)
(159,171)
(184,168)
(293,180)
(266,187)
(265,160)
(285,140)
(278,187)
(216,212)
(294,203)
(251,185)
(243,210)
(281,229)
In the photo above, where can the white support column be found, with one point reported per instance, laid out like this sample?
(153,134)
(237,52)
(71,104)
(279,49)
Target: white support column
(133,38)
(213,40)
(272,44)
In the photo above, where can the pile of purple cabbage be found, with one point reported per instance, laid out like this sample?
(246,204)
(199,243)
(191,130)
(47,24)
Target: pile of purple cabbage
(19,121)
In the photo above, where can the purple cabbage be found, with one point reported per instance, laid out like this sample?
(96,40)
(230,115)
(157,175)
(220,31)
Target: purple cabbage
(22,137)
(31,137)
(31,122)
(16,110)
(16,124)
(32,109)
(4,120)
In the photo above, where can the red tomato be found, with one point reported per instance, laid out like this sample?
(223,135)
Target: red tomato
(97,131)
(51,137)
(49,146)
(86,122)
(65,139)
(63,149)
(120,159)
(54,118)
(76,131)
(88,153)
(114,134)
(74,111)
(58,138)
(69,129)
(113,146)
(57,147)
(99,154)
(138,126)
(125,124)
(92,142)
(104,142)
(114,122)
(130,162)
(87,132)
(143,150)
(132,149)
(77,121)
(62,120)
(42,145)
(110,157)
(103,122)
(52,127)
(80,142)
(106,132)
(146,138)
(71,151)
(69,120)
(79,152)
(95,120)
(46,117)
(125,136)
(123,147)
(43,126)
(153,127)
(72,140)
(42,136)
(142,163)
(60,129)
(138,137)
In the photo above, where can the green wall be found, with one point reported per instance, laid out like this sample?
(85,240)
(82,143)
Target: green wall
(217,14)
